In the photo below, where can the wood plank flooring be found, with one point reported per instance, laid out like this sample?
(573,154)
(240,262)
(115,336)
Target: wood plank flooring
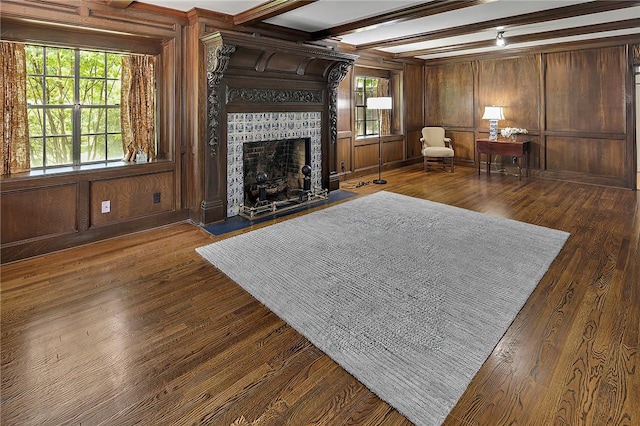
(141,330)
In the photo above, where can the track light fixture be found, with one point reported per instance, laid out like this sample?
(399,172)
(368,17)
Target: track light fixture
(500,41)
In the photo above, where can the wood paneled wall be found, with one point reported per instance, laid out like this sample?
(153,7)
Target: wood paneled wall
(584,91)
(64,210)
(586,130)
(414,109)
(131,197)
(449,95)
(39,212)
(449,103)
(344,148)
(575,105)
(515,84)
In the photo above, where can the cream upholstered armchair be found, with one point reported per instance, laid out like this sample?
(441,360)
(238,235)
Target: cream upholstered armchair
(436,148)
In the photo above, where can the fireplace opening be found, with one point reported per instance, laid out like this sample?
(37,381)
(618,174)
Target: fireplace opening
(273,170)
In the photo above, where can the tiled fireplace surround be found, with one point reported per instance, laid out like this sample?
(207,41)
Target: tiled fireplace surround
(264,126)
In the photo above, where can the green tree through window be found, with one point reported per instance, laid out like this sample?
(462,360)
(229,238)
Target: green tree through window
(73,100)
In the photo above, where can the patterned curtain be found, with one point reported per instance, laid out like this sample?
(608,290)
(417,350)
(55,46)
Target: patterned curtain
(137,108)
(383,91)
(15,126)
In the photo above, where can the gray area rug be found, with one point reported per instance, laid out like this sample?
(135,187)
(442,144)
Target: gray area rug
(408,295)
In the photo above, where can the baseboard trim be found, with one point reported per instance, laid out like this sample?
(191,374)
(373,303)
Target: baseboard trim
(42,245)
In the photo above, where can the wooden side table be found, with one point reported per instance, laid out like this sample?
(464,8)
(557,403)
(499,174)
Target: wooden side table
(504,147)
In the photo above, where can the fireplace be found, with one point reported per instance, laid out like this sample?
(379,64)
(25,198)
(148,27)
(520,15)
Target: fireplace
(258,88)
(270,131)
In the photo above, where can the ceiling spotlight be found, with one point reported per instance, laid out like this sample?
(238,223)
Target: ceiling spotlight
(500,41)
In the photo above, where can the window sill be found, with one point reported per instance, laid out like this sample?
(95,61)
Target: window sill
(367,140)
(87,172)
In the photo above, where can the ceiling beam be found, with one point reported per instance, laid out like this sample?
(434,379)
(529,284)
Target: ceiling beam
(511,21)
(527,38)
(413,12)
(532,50)
(119,4)
(268,10)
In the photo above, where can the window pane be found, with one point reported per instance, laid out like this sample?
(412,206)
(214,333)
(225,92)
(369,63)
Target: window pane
(58,121)
(360,128)
(114,147)
(92,148)
(360,98)
(60,62)
(34,91)
(36,122)
(36,151)
(114,65)
(113,120)
(59,91)
(373,127)
(113,92)
(92,120)
(91,64)
(35,59)
(59,151)
(92,91)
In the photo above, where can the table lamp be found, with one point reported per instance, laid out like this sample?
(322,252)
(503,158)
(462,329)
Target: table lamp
(493,114)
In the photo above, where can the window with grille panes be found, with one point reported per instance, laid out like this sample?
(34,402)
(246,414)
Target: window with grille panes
(73,108)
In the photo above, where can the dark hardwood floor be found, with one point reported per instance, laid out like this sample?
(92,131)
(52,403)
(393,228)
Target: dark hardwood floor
(141,330)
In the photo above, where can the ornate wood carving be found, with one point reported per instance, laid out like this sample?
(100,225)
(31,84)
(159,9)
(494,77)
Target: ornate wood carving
(217,62)
(635,50)
(336,75)
(274,95)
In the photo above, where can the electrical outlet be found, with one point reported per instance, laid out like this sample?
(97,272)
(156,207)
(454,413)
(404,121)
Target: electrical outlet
(156,197)
(106,206)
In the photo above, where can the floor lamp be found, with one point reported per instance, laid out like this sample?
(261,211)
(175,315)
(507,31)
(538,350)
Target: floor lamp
(383,103)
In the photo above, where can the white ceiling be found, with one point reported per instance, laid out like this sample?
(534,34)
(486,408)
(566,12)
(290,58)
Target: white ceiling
(324,14)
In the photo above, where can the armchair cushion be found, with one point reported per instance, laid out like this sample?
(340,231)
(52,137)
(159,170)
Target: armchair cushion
(437,151)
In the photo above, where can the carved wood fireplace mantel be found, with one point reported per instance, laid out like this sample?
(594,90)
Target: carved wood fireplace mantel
(253,74)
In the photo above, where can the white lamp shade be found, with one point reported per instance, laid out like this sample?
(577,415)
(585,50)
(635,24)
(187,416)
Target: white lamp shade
(379,103)
(493,113)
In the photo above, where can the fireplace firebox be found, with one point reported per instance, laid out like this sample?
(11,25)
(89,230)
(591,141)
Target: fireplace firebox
(273,170)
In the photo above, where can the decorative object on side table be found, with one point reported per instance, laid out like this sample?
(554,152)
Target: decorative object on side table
(493,114)
(513,132)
